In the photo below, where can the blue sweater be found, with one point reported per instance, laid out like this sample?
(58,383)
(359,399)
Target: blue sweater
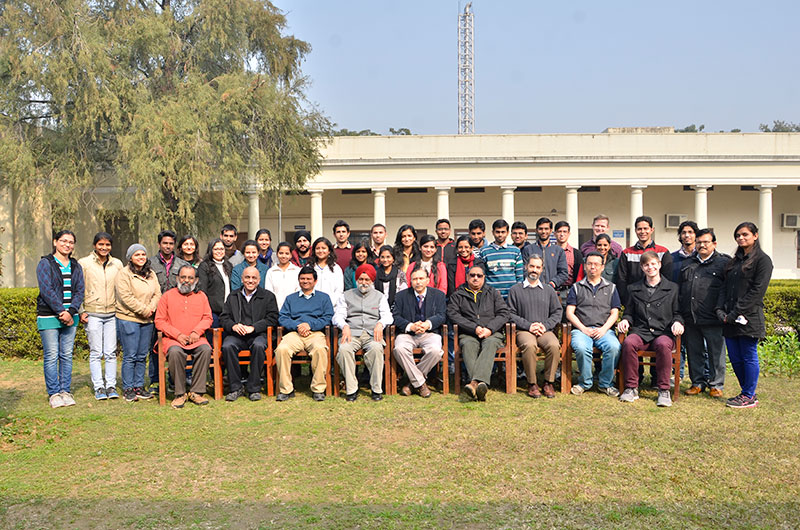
(503,266)
(316,311)
(236,274)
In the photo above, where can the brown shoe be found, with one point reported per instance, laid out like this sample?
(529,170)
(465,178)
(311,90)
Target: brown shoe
(715,393)
(693,391)
(423,391)
(548,390)
(179,401)
(533,391)
(471,389)
(405,390)
(197,399)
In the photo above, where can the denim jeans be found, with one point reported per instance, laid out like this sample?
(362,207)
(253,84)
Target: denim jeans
(57,345)
(135,339)
(582,345)
(102,335)
(743,353)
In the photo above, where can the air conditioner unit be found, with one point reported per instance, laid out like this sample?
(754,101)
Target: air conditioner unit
(790,220)
(674,220)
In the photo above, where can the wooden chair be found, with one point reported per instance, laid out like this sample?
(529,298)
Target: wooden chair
(162,369)
(444,365)
(566,366)
(650,355)
(559,330)
(244,360)
(302,357)
(387,353)
(505,354)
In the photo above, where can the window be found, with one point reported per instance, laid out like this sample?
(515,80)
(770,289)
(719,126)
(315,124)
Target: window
(412,190)
(584,189)
(356,192)
(529,188)
(470,190)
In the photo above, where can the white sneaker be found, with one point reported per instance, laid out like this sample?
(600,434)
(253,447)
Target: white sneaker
(629,395)
(664,399)
(56,401)
(67,398)
(610,391)
(577,390)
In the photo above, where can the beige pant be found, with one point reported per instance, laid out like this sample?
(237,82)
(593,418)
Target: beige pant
(292,343)
(373,359)
(431,344)
(529,346)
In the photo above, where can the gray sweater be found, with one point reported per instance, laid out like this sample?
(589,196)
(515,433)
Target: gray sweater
(534,304)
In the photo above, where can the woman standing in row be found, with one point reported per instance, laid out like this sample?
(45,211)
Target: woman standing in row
(406,248)
(429,262)
(361,254)
(330,278)
(282,278)
(214,278)
(389,279)
(189,250)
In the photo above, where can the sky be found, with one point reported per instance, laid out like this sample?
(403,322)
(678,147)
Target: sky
(552,67)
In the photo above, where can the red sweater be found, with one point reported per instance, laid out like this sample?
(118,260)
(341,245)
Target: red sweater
(182,314)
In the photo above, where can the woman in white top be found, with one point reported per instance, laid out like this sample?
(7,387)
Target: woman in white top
(282,277)
(330,278)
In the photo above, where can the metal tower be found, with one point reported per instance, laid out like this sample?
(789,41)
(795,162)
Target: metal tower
(466,72)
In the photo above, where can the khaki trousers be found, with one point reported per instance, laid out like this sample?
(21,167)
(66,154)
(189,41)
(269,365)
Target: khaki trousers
(529,347)
(431,344)
(317,349)
(201,358)
(373,359)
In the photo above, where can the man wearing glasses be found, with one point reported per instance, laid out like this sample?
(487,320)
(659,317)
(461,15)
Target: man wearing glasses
(480,314)
(700,281)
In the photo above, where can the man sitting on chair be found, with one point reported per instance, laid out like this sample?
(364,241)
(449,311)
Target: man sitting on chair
(652,315)
(183,316)
(248,313)
(362,314)
(536,310)
(480,314)
(304,315)
(419,314)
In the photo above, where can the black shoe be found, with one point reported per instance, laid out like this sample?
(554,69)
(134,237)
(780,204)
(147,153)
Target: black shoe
(141,393)
(376,396)
(234,395)
(129,394)
(480,392)
(349,397)
(254,396)
(284,397)
(318,396)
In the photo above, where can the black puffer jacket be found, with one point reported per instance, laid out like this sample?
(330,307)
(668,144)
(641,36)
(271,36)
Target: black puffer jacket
(699,285)
(652,316)
(743,288)
(469,310)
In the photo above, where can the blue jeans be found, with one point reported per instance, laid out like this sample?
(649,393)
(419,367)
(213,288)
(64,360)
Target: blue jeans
(743,353)
(582,345)
(57,345)
(135,339)
(101,333)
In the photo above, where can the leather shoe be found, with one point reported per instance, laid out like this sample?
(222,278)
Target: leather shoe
(533,391)
(471,389)
(548,390)
(284,397)
(351,397)
(376,396)
(254,396)
(423,391)
(693,391)
(715,393)
(318,396)
(405,390)
(481,391)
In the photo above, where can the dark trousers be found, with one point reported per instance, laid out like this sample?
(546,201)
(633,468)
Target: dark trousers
(479,354)
(201,358)
(231,346)
(705,371)
(662,345)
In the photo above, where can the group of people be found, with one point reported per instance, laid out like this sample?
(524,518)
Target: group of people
(418,285)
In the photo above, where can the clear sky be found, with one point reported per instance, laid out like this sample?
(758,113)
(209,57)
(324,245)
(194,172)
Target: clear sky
(553,67)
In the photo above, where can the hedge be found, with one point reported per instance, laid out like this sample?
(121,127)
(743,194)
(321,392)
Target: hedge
(19,338)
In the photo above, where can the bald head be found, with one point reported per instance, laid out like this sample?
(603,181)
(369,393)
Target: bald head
(250,279)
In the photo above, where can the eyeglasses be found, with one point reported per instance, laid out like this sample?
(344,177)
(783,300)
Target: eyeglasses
(473,275)
(66,242)
(704,243)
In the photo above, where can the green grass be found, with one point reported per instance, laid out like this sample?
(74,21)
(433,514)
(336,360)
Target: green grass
(513,462)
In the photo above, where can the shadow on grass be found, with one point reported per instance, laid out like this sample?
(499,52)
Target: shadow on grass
(9,398)
(105,513)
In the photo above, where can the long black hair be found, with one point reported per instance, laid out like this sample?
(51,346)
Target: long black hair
(61,233)
(398,245)
(428,238)
(739,255)
(331,261)
(209,257)
(195,256)
(364,243)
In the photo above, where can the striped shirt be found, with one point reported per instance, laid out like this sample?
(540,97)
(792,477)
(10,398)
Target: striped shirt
(503,266)
(52,321)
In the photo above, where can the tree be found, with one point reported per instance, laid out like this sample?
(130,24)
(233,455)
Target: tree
(348,132)
(691,129)
(185,103)
(402,131)
(780,126)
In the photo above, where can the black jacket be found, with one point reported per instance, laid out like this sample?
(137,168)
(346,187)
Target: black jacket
(699,285)
(210,282)
(652,316)
(742,293)
(265,310)
(486,309)
(434,307)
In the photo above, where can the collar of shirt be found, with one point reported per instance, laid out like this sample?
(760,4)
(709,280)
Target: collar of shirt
(348,245)
(685,254)
(649,245)
(248,296)
(307,296)
(166,261)
(527,283)
(474,293)
(495,245)
(423,294)
(701,260)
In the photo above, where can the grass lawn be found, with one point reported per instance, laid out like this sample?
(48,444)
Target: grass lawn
(513,462)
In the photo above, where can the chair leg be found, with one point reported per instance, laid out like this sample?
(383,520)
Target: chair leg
(676,367)
(457,379)
(162,390)
(511,373)
(216,362)
(269,384)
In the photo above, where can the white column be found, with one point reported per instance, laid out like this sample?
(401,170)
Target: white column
(253,214)
(379,205)
(765,217)
(508,203)
(443,202)
(701,206)
(316,214)
(637,208)
(9,277)
(572,214)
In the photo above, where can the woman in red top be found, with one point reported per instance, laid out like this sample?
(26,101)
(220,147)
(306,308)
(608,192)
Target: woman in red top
(437,272)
